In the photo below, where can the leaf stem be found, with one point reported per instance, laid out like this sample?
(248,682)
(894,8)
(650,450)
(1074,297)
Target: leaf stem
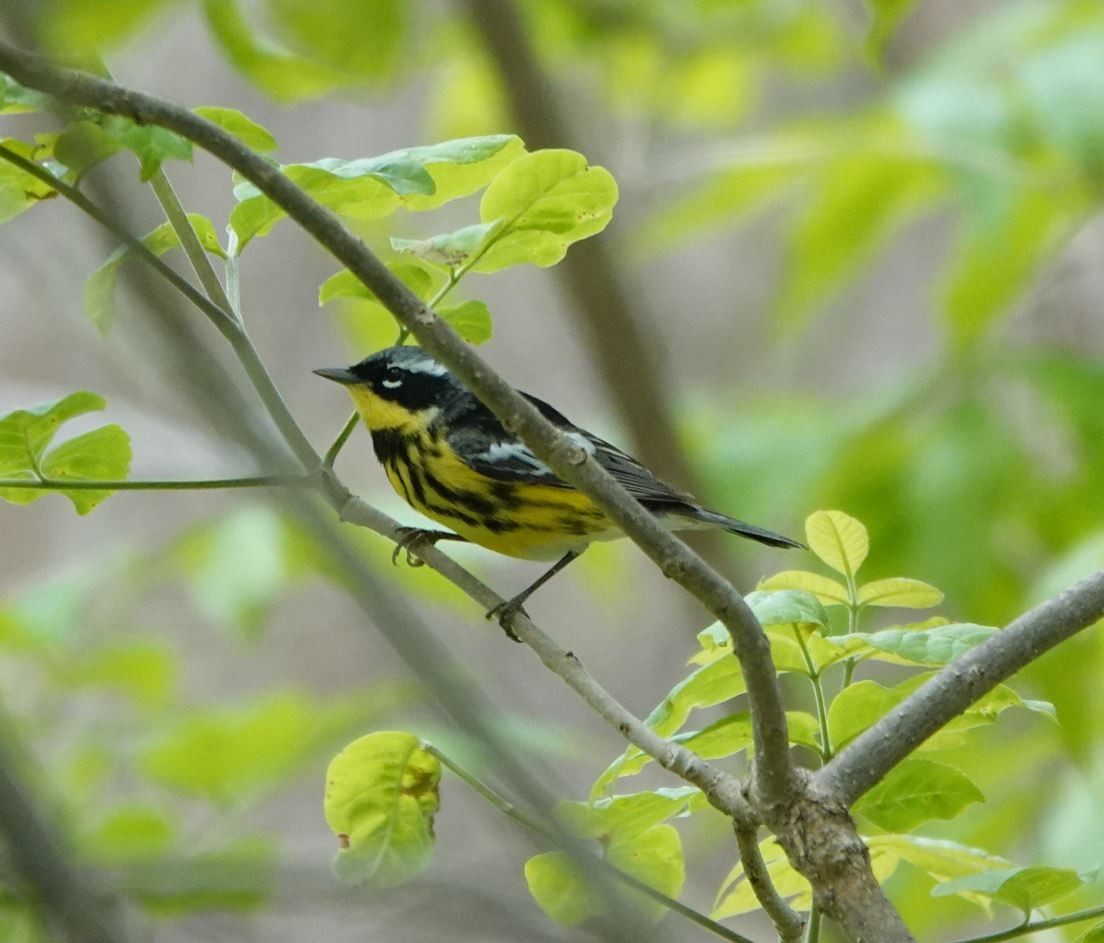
(197,256)
(534,824)
(812,929)
(826,752)
(1048,924)
(342,437)
(167,484)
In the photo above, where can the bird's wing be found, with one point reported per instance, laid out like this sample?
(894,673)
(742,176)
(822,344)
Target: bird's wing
(485,446)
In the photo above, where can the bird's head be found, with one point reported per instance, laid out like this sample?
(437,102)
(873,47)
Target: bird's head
(396,388)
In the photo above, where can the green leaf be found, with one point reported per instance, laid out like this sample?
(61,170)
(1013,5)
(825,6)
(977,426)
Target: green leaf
(621,818)
(940,859)
(830,592)
(227,755)
(901,592)
(373,187)
(83,144)
(545,201)
(938,646)
(860,705)
(721,200)
(838,539)
(99,290)
(282,74)
(19,190)
(653,856)
(1024,888)
(150,143)
(712,684)
(240,566)
(358,38)
(885,15)
(450,248)
(345,284)
(565,895)
(916,791)
(240,876)
(85,26)
(470,319)
(459,167)
(143,670)
(26,434)
(787,607)
(130,834)
(382,792)
(1095,935)
(996,260)
(861,200)
(15,99)
(245,129)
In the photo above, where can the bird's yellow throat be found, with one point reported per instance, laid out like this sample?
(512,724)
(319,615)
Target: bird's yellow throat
(379,413)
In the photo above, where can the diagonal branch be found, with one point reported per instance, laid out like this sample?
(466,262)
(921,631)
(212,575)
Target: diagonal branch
(870,756)
(774,772)
(628,359)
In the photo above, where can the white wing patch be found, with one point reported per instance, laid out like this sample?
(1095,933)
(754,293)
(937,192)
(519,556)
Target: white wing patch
(503,452)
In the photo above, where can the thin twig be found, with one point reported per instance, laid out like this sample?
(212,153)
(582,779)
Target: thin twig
(531,822)
(164,484)
(1048,924)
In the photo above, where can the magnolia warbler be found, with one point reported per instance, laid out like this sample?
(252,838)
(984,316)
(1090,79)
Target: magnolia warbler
(452,460)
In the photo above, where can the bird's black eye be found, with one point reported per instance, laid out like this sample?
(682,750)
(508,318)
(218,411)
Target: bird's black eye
(392,377)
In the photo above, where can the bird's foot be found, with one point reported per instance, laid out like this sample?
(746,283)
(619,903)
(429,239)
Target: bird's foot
(410,538)
(504,613)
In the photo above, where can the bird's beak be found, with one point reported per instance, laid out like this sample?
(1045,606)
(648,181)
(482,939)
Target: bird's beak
(341,375)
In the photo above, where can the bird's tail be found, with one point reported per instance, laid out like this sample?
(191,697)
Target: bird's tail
(750,531)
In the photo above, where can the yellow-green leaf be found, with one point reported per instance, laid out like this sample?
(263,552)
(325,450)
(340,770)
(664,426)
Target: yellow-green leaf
(830,592)
(381,795)
(900,591)
(838,539)
(244,128)
(26,434)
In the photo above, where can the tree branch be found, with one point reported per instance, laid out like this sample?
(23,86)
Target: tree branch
(871,755)
(83,912)
(774,773)
(627,358)
(786,920)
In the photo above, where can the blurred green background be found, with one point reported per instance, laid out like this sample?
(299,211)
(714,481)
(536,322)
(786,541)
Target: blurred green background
(859,247)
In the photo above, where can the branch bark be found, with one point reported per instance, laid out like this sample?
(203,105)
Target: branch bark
(870,756)
(603,305)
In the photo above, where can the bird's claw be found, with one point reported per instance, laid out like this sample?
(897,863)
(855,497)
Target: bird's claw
(409,538)
(504,613)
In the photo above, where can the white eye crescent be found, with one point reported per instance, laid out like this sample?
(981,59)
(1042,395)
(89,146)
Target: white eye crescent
(392,384)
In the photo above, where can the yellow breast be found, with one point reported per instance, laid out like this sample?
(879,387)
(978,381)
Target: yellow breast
(532,521)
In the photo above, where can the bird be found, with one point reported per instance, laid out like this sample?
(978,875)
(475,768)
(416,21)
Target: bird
(452,460)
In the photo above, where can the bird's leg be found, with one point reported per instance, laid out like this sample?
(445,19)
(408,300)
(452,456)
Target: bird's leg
(410,537)
(505,611)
